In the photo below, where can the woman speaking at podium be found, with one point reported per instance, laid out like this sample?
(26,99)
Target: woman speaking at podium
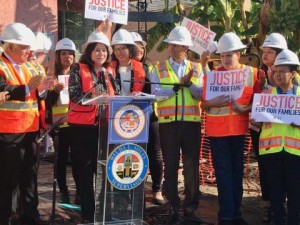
(89,75)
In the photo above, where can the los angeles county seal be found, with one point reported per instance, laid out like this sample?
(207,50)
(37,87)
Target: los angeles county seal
(127,166)
(129,121)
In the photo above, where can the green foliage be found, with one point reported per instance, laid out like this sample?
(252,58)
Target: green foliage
(285,19)
(225,15)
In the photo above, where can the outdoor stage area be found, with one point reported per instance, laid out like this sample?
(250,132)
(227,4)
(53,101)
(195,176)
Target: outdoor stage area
(155,215)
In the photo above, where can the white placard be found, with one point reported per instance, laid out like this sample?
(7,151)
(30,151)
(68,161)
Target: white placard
(276,108)
(201,36)
(230,82)
(64,94)
(115,11)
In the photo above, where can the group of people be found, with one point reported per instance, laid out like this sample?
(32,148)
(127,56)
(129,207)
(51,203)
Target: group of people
(175,124)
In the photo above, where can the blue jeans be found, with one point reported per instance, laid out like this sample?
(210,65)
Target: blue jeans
(228,156)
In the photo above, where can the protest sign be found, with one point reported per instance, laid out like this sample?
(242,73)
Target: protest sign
(114,10)
(64,94)
(201,36)
(230,82)
(276,108)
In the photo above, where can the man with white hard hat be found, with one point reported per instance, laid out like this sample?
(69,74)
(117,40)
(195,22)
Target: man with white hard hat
(19,126)
(226,126)
(279,146)
(179,120)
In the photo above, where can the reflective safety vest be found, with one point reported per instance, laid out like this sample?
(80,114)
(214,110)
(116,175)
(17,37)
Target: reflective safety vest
(18,116)
(276,137)
(223,121)
(187,106)
(38,69)
(138,74)
(57,112)
(86,114)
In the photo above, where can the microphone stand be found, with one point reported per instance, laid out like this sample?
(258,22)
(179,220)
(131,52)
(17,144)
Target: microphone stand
(54,183)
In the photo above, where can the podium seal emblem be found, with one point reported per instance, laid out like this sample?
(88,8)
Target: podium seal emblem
(127,166)
(129,121)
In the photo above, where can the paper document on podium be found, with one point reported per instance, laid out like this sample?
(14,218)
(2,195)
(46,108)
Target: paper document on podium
(105,99)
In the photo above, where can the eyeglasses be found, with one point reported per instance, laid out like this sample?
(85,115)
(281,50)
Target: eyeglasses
(121,49)
(280,72)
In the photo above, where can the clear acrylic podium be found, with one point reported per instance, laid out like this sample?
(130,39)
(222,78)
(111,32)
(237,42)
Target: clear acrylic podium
(122,160)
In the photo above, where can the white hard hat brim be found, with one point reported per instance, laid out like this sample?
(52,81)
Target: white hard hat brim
(286,63)
(144,43)
(178,42)
(271,46)
(231,49)
(13,41)
(123,43)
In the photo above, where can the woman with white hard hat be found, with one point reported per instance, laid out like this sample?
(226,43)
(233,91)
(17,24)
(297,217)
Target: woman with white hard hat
(92,69)
(153,147)
(126,67)
(64,58)
(279,145)
(226,126)
(127,71)
(272,46)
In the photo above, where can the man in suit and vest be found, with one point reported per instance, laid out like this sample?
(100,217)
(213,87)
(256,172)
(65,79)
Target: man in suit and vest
(19,126)
(226,126)
(179,120)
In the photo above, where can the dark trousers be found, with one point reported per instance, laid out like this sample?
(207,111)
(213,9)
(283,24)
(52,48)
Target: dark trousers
(228,156)
(85,149)
(185,136)
(283,176)
(18,176)
(64,148)
(262,174)
(155,157)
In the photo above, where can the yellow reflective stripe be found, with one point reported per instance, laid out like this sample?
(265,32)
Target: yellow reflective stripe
(249,82)
(19,106)
(219,111)
(6,70)
(31,70)
(170,111)
(39,68)
(162,70)
(270,142)
(292,143)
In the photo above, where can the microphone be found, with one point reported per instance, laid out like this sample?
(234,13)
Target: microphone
(115,82)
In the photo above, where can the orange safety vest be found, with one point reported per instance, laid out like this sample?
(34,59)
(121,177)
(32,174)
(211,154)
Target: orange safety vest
(223,121)
(138,73)
(38,69)
(18,116)
(86,114)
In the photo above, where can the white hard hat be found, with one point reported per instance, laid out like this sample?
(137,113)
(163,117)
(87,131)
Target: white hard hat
(33,44)
(138,38)
(286,57)
(99,37)
(180,36)
(122,37)
(17,33)
(65,44)
(230,42)
(274,40)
